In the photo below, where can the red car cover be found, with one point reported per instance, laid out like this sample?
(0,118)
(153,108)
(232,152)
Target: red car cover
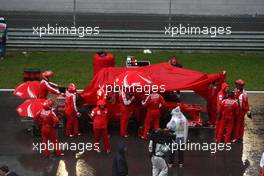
(29,89)
(173,78)
(30,108)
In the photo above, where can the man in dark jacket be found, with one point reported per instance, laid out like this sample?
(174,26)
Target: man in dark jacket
(5,169)
(119,162)
(3,37)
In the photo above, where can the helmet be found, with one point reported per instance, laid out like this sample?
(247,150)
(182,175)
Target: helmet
(47,74)
(72,88)
(240,82)
(101,102)
(47,105)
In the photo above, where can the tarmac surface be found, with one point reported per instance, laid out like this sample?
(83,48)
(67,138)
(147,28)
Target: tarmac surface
(16,149)
(130,21)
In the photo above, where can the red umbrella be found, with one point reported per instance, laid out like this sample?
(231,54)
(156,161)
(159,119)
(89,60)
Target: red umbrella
(30,108)
(29,89)
(132,78)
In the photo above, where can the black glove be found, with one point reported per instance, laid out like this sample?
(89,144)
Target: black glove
(62,89)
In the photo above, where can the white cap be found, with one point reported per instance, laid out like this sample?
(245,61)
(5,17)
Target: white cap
(2,18)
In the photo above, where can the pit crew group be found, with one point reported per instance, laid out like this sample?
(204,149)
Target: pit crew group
(47,119)
(227,110)
(153,103)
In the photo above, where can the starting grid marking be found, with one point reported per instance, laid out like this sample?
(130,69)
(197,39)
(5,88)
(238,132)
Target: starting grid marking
(184,91)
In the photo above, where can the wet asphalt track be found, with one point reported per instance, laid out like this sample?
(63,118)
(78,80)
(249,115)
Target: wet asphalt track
(16,149)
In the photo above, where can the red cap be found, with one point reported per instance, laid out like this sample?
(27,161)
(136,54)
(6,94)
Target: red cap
(47,74)
(240,82)
(72,88)
(47,105)
(174,60)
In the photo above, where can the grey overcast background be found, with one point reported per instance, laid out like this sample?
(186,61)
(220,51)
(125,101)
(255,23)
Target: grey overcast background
(187,7)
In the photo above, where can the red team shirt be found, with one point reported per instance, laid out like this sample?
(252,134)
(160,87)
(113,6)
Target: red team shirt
(47,119)
(229,108)
(153,101)
(243,101)
(46,87)
(70,104)
(100,118)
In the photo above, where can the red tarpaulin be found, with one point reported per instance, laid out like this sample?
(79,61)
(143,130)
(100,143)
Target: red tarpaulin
(132,78)
(29,89)
(173,78)
(30,108)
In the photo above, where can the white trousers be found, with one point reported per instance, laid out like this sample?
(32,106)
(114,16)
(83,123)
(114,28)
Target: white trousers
(159,166)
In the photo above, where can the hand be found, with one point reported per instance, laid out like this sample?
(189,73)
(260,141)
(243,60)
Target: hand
(79,114)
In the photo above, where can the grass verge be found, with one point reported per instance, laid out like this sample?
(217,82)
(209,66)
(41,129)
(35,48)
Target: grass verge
(76,66)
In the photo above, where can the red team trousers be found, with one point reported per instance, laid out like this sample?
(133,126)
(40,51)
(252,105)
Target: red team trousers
(126,113)
(72,123)
(228,125)
(102,133)
(153,117)
(240,124)
(49,133)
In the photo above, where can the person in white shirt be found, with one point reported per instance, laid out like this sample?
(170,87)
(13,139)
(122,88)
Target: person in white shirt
(179,125)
